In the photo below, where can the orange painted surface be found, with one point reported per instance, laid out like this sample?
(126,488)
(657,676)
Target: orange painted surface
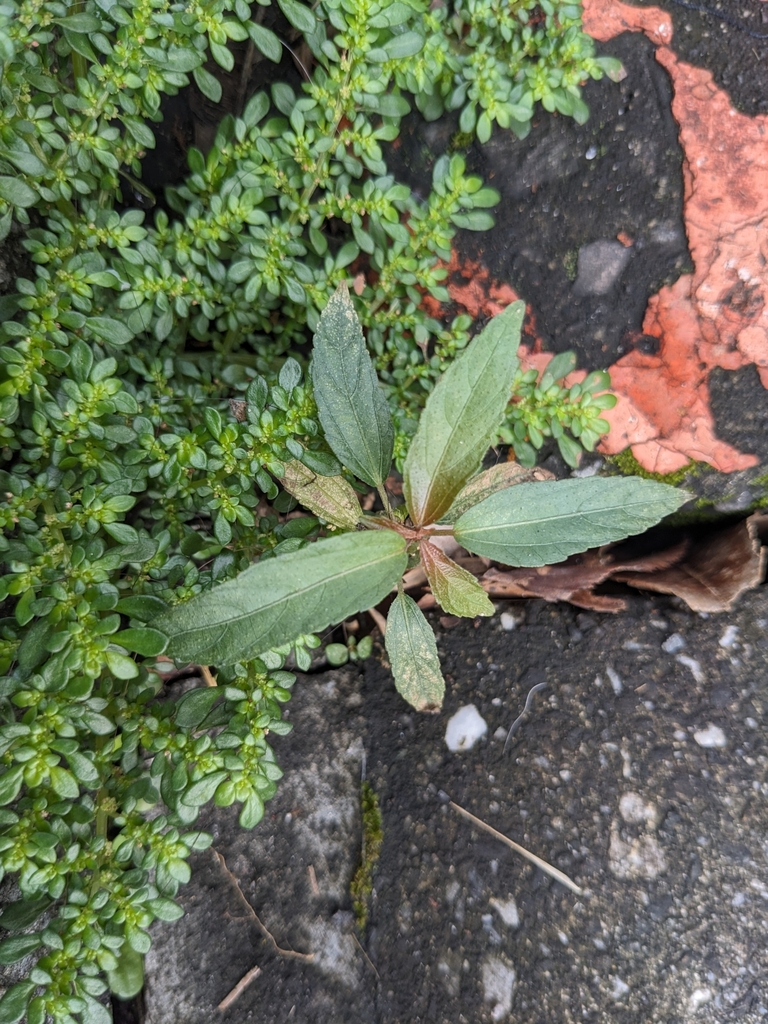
(470,285)
(715,317)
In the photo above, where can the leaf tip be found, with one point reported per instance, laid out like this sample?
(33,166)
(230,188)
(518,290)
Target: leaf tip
(428,707)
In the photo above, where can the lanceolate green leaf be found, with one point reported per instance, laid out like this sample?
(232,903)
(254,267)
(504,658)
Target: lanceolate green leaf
(352,407)
(331,497)
(412,653)
(542,523)
(455,590)
(461,418)
(281,598)
(482,486)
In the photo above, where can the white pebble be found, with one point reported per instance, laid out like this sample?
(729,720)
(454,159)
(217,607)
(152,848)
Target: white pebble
(698,997)
(465,728)
(508,621)
(712,736)
(636,811)
(620,988)
(615,679)
(591,153)
(591,470)
(693,665)
(507,911)
(729,637)
(673,644)
(642,858)
(498,985)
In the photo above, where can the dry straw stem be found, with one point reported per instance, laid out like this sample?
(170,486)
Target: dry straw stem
(546,868)
(379,619)
(208,677)
(240,987)
(366,957)
(291,954)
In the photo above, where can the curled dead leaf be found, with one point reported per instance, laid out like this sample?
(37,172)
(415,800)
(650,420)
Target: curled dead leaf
(716,571)
(574,579)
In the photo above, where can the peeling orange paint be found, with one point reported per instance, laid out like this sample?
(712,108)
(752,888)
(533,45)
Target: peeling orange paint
(715,317)
(470,285)
(472,288)
(663,411)
(604,19)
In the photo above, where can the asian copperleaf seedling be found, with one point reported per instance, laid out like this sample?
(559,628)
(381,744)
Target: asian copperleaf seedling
(489,513)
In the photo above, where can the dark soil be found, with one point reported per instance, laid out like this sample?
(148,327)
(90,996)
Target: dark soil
(558,791)
(606,780)
(728,48)
(566,185)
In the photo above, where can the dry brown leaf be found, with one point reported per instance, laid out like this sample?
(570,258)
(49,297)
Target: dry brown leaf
(709,574)
(574,579)
(715,571)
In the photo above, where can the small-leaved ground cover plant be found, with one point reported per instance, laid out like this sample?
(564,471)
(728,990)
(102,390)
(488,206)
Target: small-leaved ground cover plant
(489,513)
(148,415)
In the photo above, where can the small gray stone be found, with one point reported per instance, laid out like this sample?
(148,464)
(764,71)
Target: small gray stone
(600,266)
(667,233)
(729,638)
(615,678)
(636,811)
(619,989)
(673,644)
(737,503)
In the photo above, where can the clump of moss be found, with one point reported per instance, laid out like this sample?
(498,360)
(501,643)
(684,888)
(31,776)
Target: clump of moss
(570,264)
(461,141)
(361,886)
(626,463)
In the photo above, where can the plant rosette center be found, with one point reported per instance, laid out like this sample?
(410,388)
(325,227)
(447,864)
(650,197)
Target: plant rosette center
(503,513)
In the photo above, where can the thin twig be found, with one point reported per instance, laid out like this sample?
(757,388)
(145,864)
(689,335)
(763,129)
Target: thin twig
(208,677)
(516,724)
(555,873)
(290,954)
(245,77)
(313,880)
(240,987)
(367,958)
(296,60)
(379,619)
